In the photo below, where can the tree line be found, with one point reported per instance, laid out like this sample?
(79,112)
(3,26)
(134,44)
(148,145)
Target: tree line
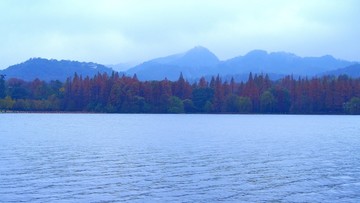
(122,94)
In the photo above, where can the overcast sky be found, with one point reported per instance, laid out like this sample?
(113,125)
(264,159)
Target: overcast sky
(110,31)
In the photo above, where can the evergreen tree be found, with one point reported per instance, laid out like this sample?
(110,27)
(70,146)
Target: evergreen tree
(2,87)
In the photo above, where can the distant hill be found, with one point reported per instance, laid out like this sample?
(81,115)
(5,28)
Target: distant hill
(199,61)
(281,63)
(193,63)
(121,67)
(353,71)
(47,70)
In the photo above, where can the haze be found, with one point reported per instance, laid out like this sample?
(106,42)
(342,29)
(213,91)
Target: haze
(110,32)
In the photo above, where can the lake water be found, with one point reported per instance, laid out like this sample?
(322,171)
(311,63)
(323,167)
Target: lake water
(179,158)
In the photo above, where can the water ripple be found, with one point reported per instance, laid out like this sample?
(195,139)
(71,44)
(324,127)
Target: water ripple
(134,159)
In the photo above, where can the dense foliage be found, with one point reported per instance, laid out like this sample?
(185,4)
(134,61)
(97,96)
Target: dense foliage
(122,94)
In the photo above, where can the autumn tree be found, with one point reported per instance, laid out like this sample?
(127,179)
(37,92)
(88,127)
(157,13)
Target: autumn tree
(219,97)
(251,91)
(123,94)
(182,88)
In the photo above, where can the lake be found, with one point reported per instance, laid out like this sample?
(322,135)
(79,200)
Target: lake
(179,158)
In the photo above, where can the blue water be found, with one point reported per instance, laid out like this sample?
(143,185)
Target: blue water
(179,158)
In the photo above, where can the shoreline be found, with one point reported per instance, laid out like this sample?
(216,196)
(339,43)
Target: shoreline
(84,112)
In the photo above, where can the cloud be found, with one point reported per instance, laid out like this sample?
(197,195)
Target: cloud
(112,31)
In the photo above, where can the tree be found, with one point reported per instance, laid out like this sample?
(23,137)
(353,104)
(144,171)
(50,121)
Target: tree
(201,96)
(203,83)
(252,91)
(22,105)
(208,108)
(103,93)
(232,104)
(189,106)
(7,103)
(245,105)
(232,85)
(18,89)
(2,87)
(353,106)
(38,89)
(283,99)
(115,100)
(182,88)
(175,105)
(218,95)
(267,102)
(236,104)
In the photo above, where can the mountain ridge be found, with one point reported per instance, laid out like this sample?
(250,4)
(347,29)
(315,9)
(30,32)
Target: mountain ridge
(352,70)
(194,61)
(52,69)
(257,61)
(193,64)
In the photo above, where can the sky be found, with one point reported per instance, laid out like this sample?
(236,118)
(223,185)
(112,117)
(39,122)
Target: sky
(133,31)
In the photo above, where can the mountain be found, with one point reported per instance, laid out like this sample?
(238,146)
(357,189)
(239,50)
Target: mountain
(353,71)
(193,63)
(199,61)
(47,70)
(120,67)
(280,63)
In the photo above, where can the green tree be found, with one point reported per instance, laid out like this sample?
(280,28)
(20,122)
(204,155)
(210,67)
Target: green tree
(267,102)
(2,86)
(208,107)
(175,105)
(245,105)
(18,89)
(283,99)
(189,106)
(353,106)
(232,103)
(22,105)
(7,103)
(200,97)
(236,104)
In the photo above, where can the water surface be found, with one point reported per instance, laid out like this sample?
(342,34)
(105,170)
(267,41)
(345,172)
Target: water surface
(179,158)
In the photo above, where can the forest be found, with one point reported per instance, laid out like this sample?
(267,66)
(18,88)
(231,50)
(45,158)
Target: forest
(113,93)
